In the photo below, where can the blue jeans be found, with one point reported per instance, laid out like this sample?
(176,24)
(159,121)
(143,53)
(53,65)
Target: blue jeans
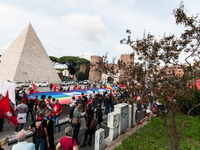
(21,126)
(107,109)
(41,142)
(57,124)
(31,111)
(112,108)
(94,108)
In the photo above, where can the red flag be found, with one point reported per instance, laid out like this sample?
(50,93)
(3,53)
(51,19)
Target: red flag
(35,88)
(6,110)
(55,87)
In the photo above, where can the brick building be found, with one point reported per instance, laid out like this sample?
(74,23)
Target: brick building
(97,75)
(95,72)
(174,69)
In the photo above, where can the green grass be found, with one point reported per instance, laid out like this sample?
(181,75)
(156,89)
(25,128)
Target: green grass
(153,135)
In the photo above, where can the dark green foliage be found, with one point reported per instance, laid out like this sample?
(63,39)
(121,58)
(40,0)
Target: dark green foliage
(73,63)
(53,59)
(87,70)
(185,101)
(81,76)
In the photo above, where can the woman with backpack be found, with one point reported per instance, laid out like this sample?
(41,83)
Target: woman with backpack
(90,117)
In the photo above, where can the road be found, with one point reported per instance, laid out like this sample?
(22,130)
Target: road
(59,135)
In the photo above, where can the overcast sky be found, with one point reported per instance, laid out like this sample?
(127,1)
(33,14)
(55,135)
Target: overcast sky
(88,27)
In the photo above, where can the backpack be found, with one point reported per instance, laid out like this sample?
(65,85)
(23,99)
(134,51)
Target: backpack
(93,124)
(40,131)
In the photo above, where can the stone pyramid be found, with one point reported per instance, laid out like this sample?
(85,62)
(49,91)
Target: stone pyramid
(26,59)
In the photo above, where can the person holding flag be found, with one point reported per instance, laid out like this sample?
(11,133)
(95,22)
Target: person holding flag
(77,87)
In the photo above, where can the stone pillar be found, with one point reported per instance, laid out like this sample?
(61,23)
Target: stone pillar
(123,110)
(134,112)
(113,123)
(99,139)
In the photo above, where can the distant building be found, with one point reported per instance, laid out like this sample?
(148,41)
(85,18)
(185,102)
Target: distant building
(96,74)
(174,70)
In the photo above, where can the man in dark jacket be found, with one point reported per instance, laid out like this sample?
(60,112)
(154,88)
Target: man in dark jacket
(83,101)
(30,104)
(71,112)
(90,116)
(107,102)
(99,116)
(96,101)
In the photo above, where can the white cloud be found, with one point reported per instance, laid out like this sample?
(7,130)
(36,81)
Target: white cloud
(123,49)
(86,55)
(89,28)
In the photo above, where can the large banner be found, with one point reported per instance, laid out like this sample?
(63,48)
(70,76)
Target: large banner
(65,97)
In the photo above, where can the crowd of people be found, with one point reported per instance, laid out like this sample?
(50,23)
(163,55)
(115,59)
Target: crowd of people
(45,115)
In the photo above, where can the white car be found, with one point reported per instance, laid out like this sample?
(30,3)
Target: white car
(41,84)
(19,84)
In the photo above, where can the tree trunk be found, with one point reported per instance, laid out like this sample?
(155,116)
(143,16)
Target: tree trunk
(165,124)
(174,133)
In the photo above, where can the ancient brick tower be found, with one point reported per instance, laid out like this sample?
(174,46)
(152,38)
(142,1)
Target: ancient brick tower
(26,59)
(127,59)
(95,72)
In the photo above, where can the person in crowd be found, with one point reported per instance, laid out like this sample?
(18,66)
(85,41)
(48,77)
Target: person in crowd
(24,92)
(99,116)
(68,88)
(67,142)
(51,87)
(25,96)
(57,109)
(93,95)
(79,99)
(17,96)
(31,90)
(40,127)
(30,105)
(107,102)
(48,103)
(83,101)
(113,102)
(36,99)
(1,121)
(73,99)
(74,88)
(53,102)
(61,87)
(71,112)
(77,114)
(95,102)
(35,125)
(89,96)
(40,106)
(89,116)
(50,120)
(22,143)
(90,102)
(21,117)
